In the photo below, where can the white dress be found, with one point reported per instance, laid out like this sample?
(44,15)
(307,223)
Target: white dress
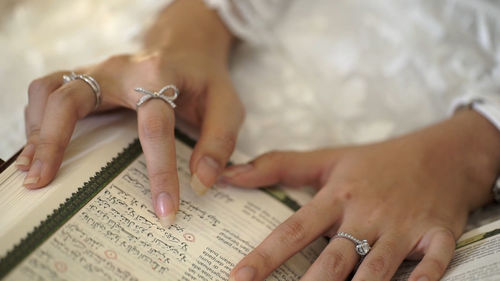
(316,73)
(310,73)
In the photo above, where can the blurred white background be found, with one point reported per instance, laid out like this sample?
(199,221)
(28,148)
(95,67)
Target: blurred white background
(38,37)
(336,73)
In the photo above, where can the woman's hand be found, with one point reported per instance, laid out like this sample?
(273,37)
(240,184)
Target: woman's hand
(187,47)
(409,197)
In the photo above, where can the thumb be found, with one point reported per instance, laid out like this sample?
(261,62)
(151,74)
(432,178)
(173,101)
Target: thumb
(283,167)
(223,116)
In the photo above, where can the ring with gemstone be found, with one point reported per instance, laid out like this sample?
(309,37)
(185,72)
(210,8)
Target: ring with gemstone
(362,246)
(158,95)
(90,81)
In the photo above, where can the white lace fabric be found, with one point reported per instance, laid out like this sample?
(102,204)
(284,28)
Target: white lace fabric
(310,73)
(352,71)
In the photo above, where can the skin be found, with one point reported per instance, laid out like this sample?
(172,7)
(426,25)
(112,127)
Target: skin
(408,196)
(188,46)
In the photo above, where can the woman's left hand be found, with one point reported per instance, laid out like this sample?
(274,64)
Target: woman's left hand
(408,197)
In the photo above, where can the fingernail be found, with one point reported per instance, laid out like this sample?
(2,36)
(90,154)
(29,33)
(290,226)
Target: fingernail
(205,175)
(423,278)
(236,170)
(22,161)
(31,180)
(197,186)
(34,173)
(246,273)
(165,209)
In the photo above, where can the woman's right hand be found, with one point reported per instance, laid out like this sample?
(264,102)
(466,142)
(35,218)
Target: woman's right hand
(189,53)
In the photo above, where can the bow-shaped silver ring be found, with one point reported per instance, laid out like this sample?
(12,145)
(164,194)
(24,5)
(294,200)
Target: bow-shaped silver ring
(158,95)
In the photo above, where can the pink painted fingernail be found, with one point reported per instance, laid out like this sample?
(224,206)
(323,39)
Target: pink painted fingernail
(165,209)
(245,273)
(236,170)
(34,173)
(205,175)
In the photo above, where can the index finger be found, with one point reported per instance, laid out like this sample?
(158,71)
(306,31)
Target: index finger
(307,224)
(38,94)
(156,123)
(222,119)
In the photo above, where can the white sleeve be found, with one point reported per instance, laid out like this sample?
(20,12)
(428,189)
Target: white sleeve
(485,99)
(484,94)
(251,21)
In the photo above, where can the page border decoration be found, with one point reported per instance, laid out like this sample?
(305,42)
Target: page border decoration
(70,207)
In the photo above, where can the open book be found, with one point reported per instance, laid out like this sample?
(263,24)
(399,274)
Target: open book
(101,224)
(107,229)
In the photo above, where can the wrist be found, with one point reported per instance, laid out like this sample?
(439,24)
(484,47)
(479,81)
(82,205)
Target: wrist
(461,155)
(479,143)
(189,27)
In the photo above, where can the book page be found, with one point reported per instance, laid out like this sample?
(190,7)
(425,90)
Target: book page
(477,257)
(96,140)
(116,235)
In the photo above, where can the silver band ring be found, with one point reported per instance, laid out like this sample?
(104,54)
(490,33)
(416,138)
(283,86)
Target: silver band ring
(362,246)
(90,81)
(158,95)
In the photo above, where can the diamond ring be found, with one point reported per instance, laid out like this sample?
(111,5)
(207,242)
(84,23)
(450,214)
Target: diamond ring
(362,246)
(158,95)
(90,81)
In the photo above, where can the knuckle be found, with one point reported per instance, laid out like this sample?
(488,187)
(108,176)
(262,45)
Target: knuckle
(448,235)
(37,87)
(51,145)
(152,61)
(116,59)
(342,196)
(390,247)
(311,210)
(377,265)
(264,258)
(33,132)
(292,232)
(155,127)
(273,156)
(349,189)
(355,184)
(225,141)
(62,98)
(71,100)
(435,265)
(334,263)
(161,177)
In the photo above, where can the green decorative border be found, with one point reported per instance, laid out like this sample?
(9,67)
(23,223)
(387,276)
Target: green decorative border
(85,193)
(280,195)
(477,238)
(69,208)
(74,203)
